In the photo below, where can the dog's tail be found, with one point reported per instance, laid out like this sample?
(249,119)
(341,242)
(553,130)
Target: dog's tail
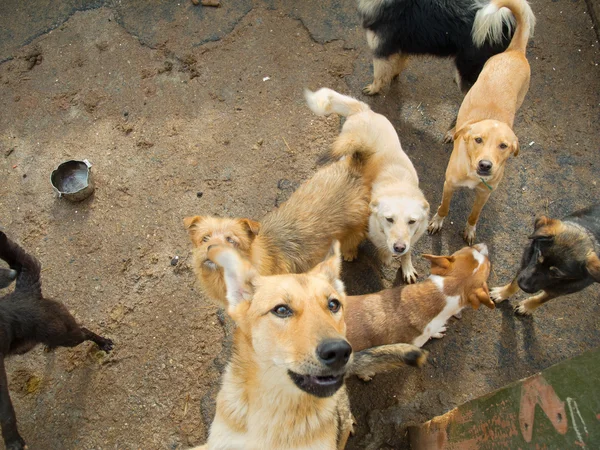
(495,14)
(372,361)
(27,267)
(326,101)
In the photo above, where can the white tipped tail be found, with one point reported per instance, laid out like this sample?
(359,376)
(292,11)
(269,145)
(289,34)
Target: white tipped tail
(494,14)
(326,101)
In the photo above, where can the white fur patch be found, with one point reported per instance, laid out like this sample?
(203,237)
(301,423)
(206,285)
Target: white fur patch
(479,258)
(438,281)
(437,325)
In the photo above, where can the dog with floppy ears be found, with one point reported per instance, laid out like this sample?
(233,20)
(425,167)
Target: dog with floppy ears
(562,258)
(416,313)
(399,210)
(397,29)
(284,386)
(26,319)
(483,137)
(333,204)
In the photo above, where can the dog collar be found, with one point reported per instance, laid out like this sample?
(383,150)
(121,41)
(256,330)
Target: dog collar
(486,185)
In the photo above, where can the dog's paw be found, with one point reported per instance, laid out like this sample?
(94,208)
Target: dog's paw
(469,234)
(499,294)
(522,310)
(371,89)
(350,255)
(449,137)
(16,444)
(439,334)
(366,377)
(435,224)
(410,275)
(106,345)
(353,423)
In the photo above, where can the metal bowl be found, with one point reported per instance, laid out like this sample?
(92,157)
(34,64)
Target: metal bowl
(73,180)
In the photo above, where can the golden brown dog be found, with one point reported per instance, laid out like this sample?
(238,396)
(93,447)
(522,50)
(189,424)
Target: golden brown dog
(284,386)
(483,136)
(416,313)
(333,204)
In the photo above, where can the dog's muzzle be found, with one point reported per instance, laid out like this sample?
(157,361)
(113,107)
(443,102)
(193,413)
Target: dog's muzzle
(318,385)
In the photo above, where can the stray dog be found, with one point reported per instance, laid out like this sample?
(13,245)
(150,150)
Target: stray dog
(26,319)
(483,137)
(333,204)
(399,210)
(463,29)
(284,386)
(416,313)
(562,258)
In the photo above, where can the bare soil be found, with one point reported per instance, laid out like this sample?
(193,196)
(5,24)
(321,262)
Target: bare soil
(186,110)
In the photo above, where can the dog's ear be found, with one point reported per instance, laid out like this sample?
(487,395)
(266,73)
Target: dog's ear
(541,222)
(480,296)
(542,233)
(251,226)
(441,262)
(516,147)
(426,207)
(189,222)
(464,132)
(593,266)
(331,267)
(239,275)
(374,206)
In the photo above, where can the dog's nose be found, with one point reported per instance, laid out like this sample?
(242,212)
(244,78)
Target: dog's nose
(334,353)
(485,165)
(399,248)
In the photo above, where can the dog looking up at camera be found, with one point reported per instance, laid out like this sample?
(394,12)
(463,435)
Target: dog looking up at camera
(397,29)
(483,137)
(28,319)
(284,385)
(399,211)
(333,204)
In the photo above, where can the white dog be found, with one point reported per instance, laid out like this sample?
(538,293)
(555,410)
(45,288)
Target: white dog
(399,210)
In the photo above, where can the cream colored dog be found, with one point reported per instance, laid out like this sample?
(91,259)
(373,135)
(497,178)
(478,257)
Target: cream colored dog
(399,211)
(483,136)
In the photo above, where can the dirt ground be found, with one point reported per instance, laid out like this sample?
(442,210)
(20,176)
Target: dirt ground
(172,105)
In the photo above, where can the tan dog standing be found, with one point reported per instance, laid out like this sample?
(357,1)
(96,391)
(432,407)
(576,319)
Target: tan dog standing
(284,386)
(333,204)
(483,137)
(416,313)
(399,210)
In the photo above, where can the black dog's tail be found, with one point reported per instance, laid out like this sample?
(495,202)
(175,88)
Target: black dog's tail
(27,267)
(495,14)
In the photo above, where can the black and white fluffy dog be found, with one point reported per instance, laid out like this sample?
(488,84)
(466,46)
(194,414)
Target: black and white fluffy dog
(26,319)
(471,31)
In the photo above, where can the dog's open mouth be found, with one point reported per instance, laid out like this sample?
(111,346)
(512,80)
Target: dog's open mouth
(319,386)
(484,174)
(209,264)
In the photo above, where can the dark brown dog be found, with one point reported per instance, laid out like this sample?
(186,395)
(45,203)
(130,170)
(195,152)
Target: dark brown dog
(26,319)
(561,259)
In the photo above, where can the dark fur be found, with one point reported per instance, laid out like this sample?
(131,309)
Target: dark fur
(565,250)
(433,27)
(383,358)
(26,319)
(7,276)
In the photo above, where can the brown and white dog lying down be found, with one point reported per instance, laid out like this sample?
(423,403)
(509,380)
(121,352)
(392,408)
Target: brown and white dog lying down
(415,313)
(284,386)
(333,204)
(483,136)
(399,210)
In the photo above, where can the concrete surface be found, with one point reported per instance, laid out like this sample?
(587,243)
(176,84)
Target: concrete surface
(167,100)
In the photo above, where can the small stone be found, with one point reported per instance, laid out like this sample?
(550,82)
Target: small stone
(199,194)
(175,260)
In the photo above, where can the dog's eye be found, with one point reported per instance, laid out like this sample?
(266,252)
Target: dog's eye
(390,219)
(478,140)
(334,305)
(503,146)
(411,221)
(206,238)
(282,311)
(230,240)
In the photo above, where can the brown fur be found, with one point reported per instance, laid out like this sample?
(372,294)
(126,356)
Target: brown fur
(484,124)
(333,204)
(259,405)
(402,314)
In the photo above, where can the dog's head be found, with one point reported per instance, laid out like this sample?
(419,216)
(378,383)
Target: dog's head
(559,254)
(294,322)
(465,273)
(205,231)
(489,143)
(399,219)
